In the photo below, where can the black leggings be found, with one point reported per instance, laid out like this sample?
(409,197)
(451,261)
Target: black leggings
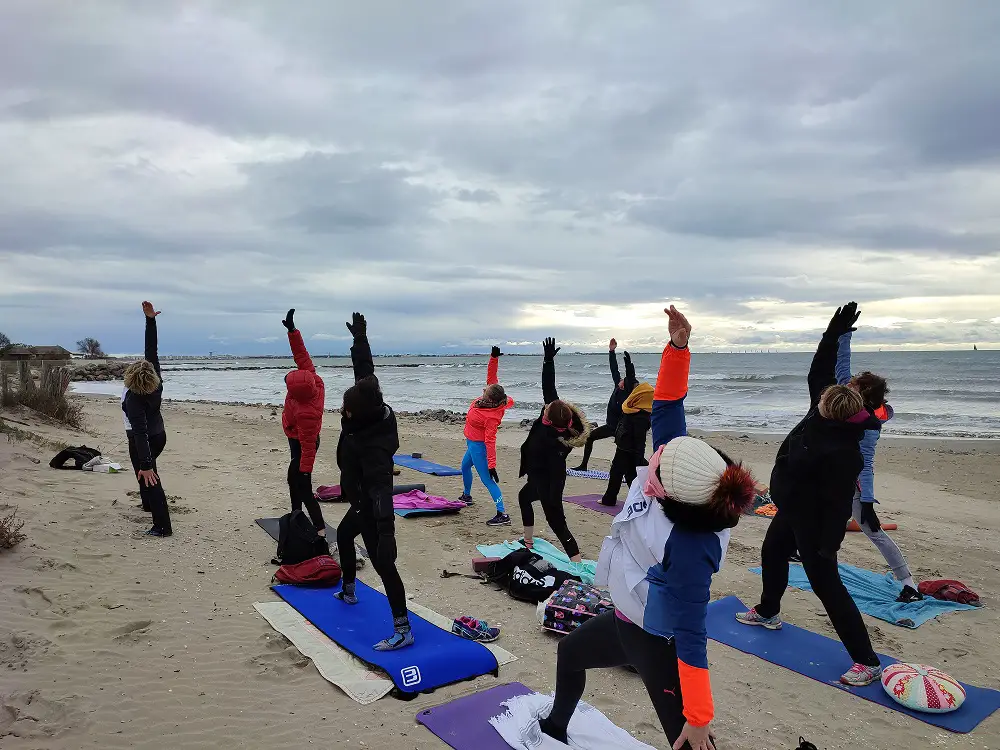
(154,499)
(300,486)
(548,490)
(608,641)
(353,524)
(783,537)
(598,433)
(623,466)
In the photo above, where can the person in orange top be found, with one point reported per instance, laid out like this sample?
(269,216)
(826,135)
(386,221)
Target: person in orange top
(481,425)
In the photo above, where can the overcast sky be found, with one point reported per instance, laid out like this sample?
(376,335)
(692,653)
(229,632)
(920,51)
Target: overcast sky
(469,172)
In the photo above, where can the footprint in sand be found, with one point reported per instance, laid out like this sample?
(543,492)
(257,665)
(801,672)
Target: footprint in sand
(280,657)
(18,649)
(133,632)
(27,715)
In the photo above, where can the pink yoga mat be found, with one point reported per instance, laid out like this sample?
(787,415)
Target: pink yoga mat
(593,502)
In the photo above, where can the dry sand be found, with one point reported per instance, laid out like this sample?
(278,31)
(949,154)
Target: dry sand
(109,639)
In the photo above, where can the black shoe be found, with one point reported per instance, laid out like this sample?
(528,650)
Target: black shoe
(909,594)
(805,744)
(157,531)
(612,504)
(547,728)
(500,519)
(581,467)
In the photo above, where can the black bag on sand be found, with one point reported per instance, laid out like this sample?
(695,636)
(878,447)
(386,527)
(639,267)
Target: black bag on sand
(298,540)
(80,455)
(527,576)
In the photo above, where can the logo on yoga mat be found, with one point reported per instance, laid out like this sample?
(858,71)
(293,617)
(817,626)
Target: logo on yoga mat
(410,675)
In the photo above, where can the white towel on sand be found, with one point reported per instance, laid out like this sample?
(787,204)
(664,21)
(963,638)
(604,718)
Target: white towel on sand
(589,729)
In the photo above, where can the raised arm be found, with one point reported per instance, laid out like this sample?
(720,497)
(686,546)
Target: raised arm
(613,362)
(844,359)
(361,351)
(549,393)
(493,368)
(631,381)
(299,353)
(823,371)
(668,420)
(151,354)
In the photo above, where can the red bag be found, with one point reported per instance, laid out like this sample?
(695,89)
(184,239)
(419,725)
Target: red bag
(949,590)
(317,571)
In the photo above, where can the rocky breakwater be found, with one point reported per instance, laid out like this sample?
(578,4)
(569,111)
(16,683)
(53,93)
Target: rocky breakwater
(100,371)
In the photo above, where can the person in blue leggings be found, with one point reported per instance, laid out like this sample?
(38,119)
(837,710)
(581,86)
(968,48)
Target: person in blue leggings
(481,425)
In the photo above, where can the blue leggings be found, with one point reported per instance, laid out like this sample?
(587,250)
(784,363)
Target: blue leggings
(475,455)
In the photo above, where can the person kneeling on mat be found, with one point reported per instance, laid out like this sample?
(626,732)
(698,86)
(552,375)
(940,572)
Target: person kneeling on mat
(559,428)
(658,564)
(481,425)
(368,440)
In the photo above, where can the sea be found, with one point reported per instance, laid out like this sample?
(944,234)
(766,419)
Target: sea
(934,394)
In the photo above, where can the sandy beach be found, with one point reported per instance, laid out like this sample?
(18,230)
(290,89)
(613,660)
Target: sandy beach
(113,640)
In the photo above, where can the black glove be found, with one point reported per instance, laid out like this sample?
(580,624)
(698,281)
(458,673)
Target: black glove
(358,325)
(628,358)
(386,544)
(870,518)
(288,322)
(496,352)
(549,347)
(844,319)
(493,476)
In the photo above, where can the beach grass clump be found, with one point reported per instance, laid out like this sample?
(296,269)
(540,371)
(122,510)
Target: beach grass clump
(10,528)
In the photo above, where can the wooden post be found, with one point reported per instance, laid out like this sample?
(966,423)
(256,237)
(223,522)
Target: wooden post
(6,397)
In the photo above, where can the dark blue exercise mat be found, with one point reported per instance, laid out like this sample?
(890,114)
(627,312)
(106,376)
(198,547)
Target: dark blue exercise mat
(437,658)
(417,512)
(425,467)
(824,659)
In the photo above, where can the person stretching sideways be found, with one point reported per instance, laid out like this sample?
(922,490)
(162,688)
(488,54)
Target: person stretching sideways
(621,392)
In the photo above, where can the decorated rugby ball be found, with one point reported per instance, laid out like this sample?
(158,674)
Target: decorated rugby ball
(922,688)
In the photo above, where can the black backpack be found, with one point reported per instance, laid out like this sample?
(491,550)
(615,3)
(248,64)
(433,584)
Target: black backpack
(527,576)
(298,540)
(80,455)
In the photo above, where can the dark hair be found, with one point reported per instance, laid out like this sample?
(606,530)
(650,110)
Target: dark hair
(711,517)
(559,413)
(364,399)
(873,389)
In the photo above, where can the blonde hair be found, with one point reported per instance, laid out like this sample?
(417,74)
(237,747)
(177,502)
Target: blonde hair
(840,403)
(141,377)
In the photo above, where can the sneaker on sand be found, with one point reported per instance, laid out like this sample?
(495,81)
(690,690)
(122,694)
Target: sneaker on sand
(860,675)
(467,499)
(909,594)
(500,519)
(752,618)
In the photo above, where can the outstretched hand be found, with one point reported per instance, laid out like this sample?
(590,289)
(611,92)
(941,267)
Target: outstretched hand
(550,349)
(495,352)
(678,327)
(288,322)
(612,345)
(148,310)
(358,325)
(628,359)
(844,319)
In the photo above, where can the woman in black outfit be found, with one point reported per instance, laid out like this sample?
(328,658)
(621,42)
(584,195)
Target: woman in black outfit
(368,440)
(559,428)
(621,392)
(144,426)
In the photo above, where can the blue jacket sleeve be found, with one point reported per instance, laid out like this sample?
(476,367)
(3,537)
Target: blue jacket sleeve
(867,477)
(668,420)
(844,359)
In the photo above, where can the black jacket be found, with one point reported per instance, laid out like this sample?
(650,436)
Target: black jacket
(619,395)
(143,409)
(366,448)
(545,449)
(630,435)
(817,467)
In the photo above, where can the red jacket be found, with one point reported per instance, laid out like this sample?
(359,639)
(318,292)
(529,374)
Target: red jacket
(482,424)
(302,417)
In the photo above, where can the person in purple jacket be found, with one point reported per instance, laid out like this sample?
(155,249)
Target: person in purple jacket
(873,389)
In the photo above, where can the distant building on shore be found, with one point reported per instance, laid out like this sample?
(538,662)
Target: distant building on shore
(37,353)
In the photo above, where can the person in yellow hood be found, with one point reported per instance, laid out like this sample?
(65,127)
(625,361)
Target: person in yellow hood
(630,440)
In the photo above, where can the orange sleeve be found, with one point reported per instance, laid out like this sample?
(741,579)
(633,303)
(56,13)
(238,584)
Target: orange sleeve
(696,689)
(492,371)
(672,380)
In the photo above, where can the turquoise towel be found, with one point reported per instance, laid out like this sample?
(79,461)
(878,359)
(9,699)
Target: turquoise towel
(876,594)
(585,570)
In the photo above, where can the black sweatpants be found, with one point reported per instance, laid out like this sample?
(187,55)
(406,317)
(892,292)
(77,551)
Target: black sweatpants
(783,537)
(362,522)
(598,433)
(623,466)
(548,490)
(608,641)
(154,499)
(300,486)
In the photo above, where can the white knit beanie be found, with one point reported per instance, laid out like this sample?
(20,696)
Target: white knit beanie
(690,470)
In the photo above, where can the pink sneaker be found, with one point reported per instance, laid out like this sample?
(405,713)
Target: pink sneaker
(860,675)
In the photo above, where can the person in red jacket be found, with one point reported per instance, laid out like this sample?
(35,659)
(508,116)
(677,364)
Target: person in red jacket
(302,420)
(481,425)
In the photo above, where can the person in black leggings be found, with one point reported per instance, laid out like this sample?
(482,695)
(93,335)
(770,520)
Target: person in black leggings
(621,392)
(144,428)
(368,440)
(559,428)
(300,487)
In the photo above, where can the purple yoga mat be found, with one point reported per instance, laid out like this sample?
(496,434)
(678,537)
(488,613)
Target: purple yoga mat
(464,724)
(594,503)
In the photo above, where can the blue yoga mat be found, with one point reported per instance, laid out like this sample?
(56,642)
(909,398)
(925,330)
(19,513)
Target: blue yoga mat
(875,595)
(409,512)
(425,467)
(585,569)
(436,658)
(824,659)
